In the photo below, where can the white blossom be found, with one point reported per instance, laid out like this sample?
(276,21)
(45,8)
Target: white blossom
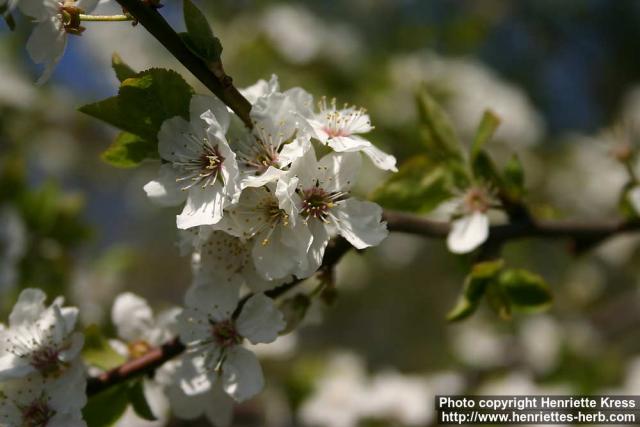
(322,200)
(42,379)
(40,339)
(214,338)
(201,167)
(54,20)
(634,198)
(340,129)
(471,229)
(31,401)
(13,242)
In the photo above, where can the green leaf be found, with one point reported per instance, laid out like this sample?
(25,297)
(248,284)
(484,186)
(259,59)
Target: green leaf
(294,310)
(481,276)
(513,178)
(122,70)
(485,170)
(129,150)
(143,103)
(139,401)
(525,289)
(438,133)
(106,408)
(487,127)
(97,351)
(419,186)
(200,38)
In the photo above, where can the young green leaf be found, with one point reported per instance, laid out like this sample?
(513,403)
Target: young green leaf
(513,178)
(106,408)
(481,276)
(487,127)
(438,135)
(139,401)
(122,70)
(199,37)
(525,289)
(129,150)
(485,170)
(419,186)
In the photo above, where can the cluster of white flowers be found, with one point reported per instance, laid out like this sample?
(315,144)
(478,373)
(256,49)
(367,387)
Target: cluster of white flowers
(259,209)
(42,377)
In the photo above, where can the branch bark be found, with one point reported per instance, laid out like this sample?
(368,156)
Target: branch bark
(220,85)
(582,233)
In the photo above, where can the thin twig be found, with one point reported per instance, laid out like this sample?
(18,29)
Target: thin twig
(223,88)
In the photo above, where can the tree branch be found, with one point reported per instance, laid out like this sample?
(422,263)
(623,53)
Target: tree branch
(582,233)
(218,83)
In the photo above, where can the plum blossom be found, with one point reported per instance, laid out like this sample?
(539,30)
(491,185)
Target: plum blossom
(201,168)
(41,339)
(321,199)
(139,332)
(31,401)
(471,229)
(275,140)
(214,335)
(340,129)
(42,379)
(55,19)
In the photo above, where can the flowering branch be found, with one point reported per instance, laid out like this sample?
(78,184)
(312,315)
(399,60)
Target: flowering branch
(209,74)
(584,235)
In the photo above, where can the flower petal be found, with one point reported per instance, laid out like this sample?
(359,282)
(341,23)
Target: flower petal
(28,308)
(468,232)
(242,376)
(379,158)
(360,223)
(204,206)
(47,44)
(165,191)
(260,320)
(202,107)
(131,316)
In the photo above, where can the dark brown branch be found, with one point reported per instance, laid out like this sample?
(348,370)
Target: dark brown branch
(581,233)
(218,83)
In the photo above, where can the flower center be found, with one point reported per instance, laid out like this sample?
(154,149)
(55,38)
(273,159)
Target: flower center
(138,348)
(476,200)
(317,203)
(37,414)
(203,170)
(225,334)
(71,18)
(260,152)
(339,123)
(46,361)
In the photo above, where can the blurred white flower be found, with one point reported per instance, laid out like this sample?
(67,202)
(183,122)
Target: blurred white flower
(477,344)
(541,339)
(30,401)
(300,37)
(15,90)
(13,244)
(521,383)
(339,396)
(469,88)
(397,397)
(55,19)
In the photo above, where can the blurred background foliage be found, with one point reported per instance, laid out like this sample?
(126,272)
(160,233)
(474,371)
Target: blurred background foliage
(559,74)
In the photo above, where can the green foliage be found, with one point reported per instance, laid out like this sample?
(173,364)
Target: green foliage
(481,275)
(504,289)
(143,103)
(129,150)
(122,70)
(513,178)
(294,310)
(419,186)
(97,351)
(139,401)
(484,133)
(438,133)
(525,290)
(199,37)
(106,408)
